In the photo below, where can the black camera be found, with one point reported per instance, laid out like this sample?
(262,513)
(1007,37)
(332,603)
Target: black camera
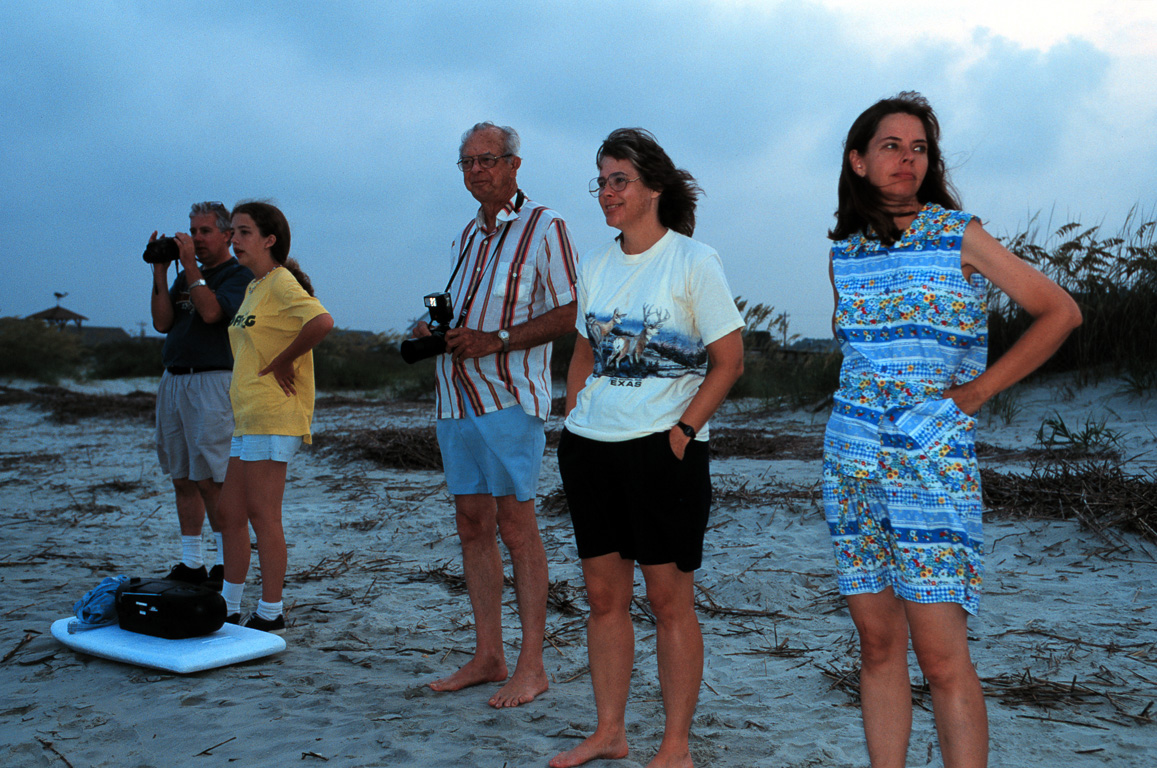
(161,251)
(441,315)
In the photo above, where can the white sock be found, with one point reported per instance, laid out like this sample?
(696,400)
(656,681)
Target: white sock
(268,611)
(191,551)
(232,594)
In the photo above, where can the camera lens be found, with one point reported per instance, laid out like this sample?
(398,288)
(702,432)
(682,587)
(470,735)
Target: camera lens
(414,350)
(161,251)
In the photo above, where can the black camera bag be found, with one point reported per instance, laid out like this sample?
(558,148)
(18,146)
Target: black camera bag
(170,609)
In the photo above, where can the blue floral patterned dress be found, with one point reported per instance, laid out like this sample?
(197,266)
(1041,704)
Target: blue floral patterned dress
(901,482)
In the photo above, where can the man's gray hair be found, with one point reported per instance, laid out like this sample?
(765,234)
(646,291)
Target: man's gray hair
(214,209)
(511,144)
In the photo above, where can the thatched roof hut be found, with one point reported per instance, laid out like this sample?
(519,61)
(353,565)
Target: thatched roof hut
(59,316)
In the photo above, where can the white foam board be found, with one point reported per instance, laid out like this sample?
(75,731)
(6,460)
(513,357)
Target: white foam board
(229,645)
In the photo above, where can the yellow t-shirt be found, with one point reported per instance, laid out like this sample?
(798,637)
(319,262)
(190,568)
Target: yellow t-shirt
(269,319)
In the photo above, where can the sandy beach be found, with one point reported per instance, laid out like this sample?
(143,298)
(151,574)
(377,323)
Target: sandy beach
(1066,640)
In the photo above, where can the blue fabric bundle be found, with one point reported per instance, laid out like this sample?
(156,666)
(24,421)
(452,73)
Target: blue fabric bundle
(98,606)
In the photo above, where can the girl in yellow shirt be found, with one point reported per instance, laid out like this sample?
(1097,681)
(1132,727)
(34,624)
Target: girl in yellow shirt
(272,335)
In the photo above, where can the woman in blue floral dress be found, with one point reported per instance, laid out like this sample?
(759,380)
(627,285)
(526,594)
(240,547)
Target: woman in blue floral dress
(901,482)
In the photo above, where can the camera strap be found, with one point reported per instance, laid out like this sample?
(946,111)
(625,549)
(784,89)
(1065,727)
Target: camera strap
(461,258)
(476,282)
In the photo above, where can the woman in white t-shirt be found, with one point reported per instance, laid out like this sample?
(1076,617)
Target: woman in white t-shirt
(658,349)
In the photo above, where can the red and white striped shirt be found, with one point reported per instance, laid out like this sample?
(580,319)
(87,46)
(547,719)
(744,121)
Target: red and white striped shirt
(523,269)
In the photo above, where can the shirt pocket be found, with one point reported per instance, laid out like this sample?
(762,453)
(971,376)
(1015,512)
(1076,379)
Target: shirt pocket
(932,443)
(928,424)
(513,282)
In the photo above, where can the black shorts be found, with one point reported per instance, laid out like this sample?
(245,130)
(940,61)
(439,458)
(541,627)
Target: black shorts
(635,498)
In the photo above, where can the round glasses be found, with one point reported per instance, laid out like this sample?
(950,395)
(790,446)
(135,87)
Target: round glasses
(485,162)
(616,181)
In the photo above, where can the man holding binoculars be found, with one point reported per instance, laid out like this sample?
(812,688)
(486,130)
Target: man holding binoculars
(194,416)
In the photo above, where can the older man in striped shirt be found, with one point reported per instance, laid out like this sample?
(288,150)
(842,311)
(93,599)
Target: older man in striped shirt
(513,292)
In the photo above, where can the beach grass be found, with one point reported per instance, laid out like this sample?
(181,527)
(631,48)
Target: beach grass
(32,349)
(1114,280)
(1100,493)
(128,359)
(350,360)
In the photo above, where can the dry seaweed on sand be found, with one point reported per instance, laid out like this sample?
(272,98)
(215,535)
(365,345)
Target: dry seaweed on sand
(86,509)
(326,568)
(1099,494)
(846,679)
(1022,689)
(552,438)
(1144,651)
(743,495)
(17,460)
(710,606)
(757,444)
(343,401)
(400,448)
(990,452)
(66,406)
(116,486)
(553,503)
(560,595)
(440,574)
(777,648)
(14,395)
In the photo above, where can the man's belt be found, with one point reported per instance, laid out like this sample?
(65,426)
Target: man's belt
(182,370)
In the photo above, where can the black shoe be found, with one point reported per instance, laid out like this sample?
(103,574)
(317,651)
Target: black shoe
(182,572)
(216,577)
(233,618)
(276,626)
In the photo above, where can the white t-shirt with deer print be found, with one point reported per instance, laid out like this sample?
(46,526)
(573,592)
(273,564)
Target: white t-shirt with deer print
(649,318)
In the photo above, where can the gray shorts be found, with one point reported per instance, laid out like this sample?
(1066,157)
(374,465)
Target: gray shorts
(194,425)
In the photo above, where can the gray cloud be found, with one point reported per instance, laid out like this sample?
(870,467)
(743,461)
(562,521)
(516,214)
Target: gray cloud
(115,118)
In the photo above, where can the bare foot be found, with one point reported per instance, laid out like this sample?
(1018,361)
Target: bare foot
(673,760)
(474,672)
(595,747)
(522,688)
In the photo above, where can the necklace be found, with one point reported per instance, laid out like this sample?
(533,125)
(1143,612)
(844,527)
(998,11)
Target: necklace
(254,283)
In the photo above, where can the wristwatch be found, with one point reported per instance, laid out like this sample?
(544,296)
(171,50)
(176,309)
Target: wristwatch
(199,282)
(504,336)
(687,429)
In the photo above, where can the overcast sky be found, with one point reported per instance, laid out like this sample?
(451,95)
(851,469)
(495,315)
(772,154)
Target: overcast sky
(116,116)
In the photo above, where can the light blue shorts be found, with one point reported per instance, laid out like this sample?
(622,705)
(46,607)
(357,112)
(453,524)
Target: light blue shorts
(499,453)
(264,447)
